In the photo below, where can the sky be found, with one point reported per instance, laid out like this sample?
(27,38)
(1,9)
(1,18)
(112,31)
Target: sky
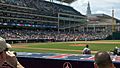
(98,6)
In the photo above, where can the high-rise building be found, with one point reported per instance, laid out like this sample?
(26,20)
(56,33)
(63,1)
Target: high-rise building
(88,9)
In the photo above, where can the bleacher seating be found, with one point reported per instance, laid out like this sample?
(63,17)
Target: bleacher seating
(23,34)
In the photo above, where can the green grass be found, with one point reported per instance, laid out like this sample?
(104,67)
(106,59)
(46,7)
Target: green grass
(103,47)
(57,46)
(110,40)
(44,51)
(66,45)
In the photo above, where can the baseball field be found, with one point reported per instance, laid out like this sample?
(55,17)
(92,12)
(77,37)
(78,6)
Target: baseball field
(74,47)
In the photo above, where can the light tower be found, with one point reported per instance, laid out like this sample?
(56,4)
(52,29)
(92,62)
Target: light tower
(113,21)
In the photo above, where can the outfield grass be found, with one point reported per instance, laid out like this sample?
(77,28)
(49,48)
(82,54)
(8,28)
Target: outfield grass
(45,51)
(64,47)
(58,46)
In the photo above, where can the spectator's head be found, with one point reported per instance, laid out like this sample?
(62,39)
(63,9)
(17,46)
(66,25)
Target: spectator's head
(116,47)
(87,46)
(103,60)
(3,45)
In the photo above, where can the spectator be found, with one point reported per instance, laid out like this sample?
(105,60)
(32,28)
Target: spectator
(86,50)
(13,52)
(7,58)
(103,60)
(116,51)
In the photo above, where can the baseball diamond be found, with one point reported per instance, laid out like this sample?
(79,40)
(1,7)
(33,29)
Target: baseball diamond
(53,34)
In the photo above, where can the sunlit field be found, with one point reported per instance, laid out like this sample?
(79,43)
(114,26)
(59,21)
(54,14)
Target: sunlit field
(66,47)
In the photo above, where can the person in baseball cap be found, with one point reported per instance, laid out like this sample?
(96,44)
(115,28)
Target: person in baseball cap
(3,44)
(7,58)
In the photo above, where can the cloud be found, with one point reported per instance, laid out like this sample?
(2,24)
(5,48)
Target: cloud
(113,1)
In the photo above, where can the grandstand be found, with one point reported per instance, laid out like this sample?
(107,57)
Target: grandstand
(102,22)
(53,21)
(37,15)
(33,12)
(37,19)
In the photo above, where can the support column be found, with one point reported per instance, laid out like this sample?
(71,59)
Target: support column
(64,25)
(74,29)
(69,26)
(58,23)
(83,29)
(87,28)
(94,27)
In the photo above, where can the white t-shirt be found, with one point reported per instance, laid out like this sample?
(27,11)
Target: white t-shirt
(86,51)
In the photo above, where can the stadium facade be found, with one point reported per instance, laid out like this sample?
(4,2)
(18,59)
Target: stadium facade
(39,14)
(102,22)
(39,20)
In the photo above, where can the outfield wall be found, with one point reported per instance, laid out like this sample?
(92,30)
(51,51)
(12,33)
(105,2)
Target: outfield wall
(114,36)
(53,63)
(51,60)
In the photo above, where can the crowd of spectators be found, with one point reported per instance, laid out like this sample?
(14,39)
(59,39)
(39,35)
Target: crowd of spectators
(23,34)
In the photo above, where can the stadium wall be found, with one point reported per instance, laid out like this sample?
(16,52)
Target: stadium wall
(56,63)
(114,36)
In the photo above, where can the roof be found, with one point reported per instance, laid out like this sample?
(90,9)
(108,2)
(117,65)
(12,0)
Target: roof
(103,16)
